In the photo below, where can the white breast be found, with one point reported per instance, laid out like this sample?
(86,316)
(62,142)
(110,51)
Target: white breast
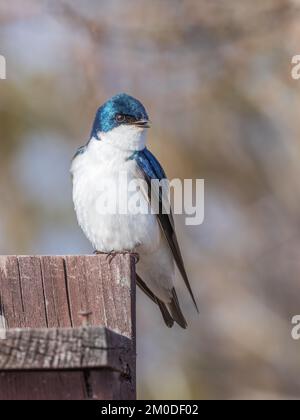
(108,232)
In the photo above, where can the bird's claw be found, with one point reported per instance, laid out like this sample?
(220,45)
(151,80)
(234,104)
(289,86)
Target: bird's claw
(112,254)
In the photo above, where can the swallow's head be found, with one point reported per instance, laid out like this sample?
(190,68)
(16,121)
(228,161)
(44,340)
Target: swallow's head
(123,121)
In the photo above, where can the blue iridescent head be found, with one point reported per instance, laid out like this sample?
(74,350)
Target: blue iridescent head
(120,110)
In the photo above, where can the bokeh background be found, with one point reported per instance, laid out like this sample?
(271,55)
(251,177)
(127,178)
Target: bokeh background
(216,79)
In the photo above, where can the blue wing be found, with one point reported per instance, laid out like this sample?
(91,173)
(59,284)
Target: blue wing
(148,162)
(151,169)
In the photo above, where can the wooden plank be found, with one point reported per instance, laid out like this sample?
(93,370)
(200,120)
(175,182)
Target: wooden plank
(32,292)
(64,348)
(117,285)
(39,292)
(11,299)
(60,385)
(42,386)
(81,301)
(55,292)
(109,385)
(100,291)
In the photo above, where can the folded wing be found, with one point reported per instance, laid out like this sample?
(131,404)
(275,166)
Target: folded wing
(150,169)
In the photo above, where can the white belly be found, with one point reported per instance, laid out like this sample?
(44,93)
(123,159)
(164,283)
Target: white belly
(111,232)
(120,232)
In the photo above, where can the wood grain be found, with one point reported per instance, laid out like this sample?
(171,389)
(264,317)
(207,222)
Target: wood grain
(100,291)
(55,292)
(60,304)
(64,348)
(43,386)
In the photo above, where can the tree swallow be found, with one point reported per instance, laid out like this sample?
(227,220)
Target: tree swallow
(118,145)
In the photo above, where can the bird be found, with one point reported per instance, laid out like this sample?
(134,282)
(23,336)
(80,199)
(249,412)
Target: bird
(117,145)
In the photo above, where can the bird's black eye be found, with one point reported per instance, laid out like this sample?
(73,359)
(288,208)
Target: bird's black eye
(120,118)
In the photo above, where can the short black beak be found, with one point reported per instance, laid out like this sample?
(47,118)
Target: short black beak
(142,123)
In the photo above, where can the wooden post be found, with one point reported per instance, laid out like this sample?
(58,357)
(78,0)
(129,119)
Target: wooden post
(70,327)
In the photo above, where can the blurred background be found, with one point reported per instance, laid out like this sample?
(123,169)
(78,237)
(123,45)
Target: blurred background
(216,80)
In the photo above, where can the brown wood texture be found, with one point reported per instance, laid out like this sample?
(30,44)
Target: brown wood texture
(43,386)
(64,348)
(63,292)
(61,385)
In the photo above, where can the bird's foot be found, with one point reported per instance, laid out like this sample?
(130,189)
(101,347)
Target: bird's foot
(109,256)
(112,254)
(133,254)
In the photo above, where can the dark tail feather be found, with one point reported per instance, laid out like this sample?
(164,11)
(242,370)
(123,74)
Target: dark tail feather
(162,306)
(165,313)
(142,285)
(176,311)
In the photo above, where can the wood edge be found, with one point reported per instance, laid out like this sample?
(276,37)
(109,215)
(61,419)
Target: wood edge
(113,351)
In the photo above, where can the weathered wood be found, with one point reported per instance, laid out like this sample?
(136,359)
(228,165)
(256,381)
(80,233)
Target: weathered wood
(55,292)
(32,293)
(81,292)
(10,293)
(40,292)
(64,348)
(61,385)
(100,293)
(43,386)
